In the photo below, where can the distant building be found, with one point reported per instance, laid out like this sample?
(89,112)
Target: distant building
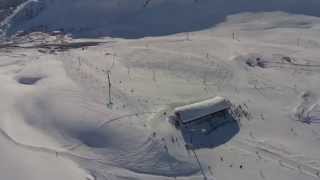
(55,33)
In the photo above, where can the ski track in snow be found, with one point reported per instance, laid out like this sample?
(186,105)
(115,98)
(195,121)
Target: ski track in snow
(257,148)
(260,149)
(70,155)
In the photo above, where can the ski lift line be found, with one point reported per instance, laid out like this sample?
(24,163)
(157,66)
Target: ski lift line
(300,68)
(175,82)
(295,64)
(87,106)
(199,163)
(91,65)
(112,65)
(264,79)
(196,83)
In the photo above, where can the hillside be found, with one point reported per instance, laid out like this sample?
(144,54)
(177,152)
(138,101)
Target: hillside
(134,19)
(6,7)
(95,105)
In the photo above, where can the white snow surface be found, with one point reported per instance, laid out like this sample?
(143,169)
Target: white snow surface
(55,122)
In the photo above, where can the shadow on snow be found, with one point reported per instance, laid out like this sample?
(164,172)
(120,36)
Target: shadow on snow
(210,132)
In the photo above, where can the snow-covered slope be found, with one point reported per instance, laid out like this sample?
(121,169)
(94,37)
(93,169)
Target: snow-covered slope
(56,123)
(140,18)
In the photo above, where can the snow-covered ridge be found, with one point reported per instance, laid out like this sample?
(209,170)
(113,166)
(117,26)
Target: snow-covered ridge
(139,18)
